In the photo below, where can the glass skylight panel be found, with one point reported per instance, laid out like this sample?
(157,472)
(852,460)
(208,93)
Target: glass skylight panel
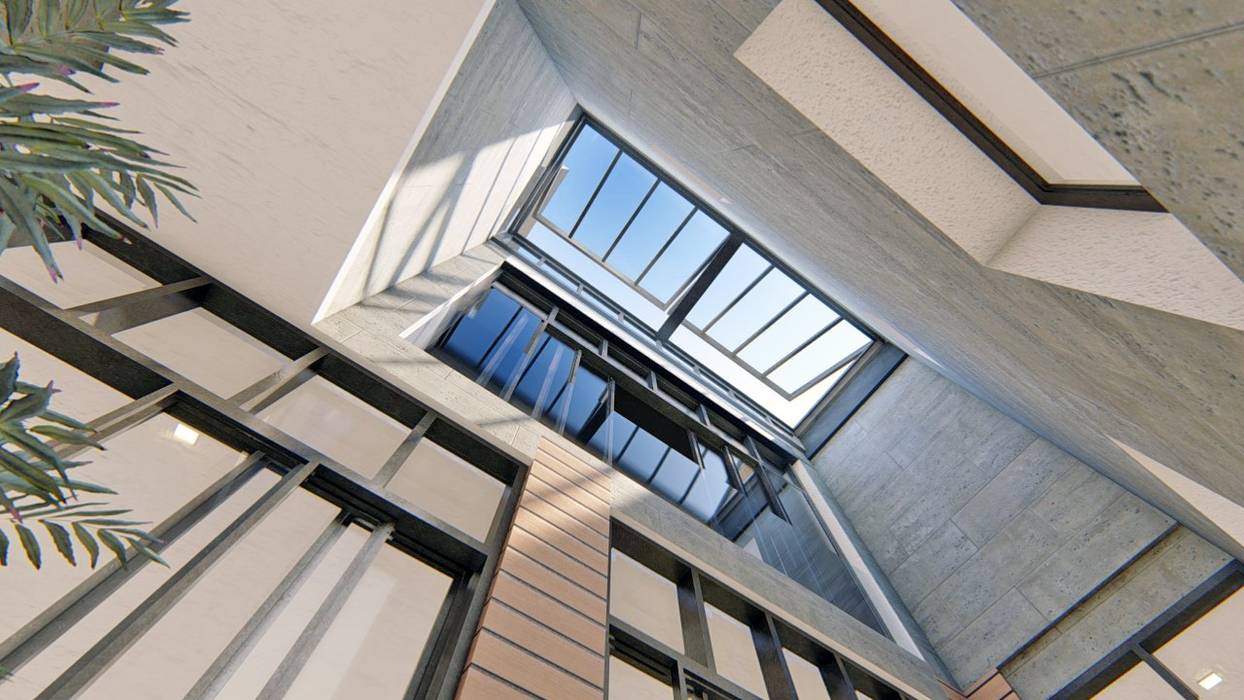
(637,244)
(585,164)
(684,256)
(655,224)
(618,198)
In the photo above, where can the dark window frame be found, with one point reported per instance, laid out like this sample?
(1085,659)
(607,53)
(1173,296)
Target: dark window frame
(695,667)
(86,344)
(692,289)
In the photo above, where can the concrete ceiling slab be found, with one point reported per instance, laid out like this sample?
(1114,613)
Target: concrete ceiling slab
(1074,366)
(1158,82)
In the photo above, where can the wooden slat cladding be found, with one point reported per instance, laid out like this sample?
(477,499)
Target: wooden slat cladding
(991,687)
(542,632)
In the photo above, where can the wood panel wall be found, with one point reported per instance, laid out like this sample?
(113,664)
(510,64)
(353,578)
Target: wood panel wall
(542,633)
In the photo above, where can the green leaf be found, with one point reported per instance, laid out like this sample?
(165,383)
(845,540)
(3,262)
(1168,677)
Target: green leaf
(6,231)
(69,437)
(173,198)
(31,163)
(65,420)
(21,209)
(28,104)
(30,405)
(60,536)
(148,198)
(8,377)
(37,478)
(30,544)
(115,544)
(84,536)
(4,549)
(17,16)
(147,552)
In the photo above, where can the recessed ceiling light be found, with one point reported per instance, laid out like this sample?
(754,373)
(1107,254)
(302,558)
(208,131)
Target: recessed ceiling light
(186,434)
(1209,681)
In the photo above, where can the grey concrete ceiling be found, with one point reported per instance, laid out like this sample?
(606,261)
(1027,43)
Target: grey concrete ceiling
(1077,368)
(1160,83)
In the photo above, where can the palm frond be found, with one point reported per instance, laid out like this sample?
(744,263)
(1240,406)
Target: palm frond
(56,154)
(37,490)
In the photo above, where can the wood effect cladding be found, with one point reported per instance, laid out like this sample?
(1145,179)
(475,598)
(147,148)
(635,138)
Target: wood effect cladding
(991,687)
(542,632)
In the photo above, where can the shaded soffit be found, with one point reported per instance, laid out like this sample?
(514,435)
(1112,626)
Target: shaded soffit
(1074,366)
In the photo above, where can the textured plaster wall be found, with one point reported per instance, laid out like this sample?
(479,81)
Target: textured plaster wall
(1138,257)
(980,75)
(1144,258)
(1157,82)
(820,68)
(290,116)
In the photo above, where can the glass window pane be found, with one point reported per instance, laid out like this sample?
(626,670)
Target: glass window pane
(337,423)
(755,309)
(1140,683)
(1214,644)
(734,652)
(841,340)
(618,199)
(711,487)
(585,165)
(449,487)
(90,274)
(153,472)
(742,268)
(480,327)
(32,677)
(374,644)
(205,349)
(644,599)
(586,404)
(656,222)
(171,657)
(626,682)
(807,318)
(282,632)
(546,376)
(694,244)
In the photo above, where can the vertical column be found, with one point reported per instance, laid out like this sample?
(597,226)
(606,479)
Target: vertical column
(543,628)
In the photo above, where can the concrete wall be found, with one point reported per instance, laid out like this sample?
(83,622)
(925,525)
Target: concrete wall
(988,532)
(498,119)
(372,332)
(1157,82)
(850,94)
(291,117)
(1139,594)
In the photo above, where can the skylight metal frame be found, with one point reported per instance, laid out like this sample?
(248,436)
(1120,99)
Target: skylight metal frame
(692,289)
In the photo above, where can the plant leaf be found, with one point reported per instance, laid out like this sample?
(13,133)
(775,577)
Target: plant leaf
(84,536)
(115,544)
(30,544)
(60,537)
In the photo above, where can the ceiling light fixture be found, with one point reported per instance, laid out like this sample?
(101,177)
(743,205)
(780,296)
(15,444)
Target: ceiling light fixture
(1209,681)
(186,434)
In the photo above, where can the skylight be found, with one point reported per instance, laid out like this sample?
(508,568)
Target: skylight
(686,278)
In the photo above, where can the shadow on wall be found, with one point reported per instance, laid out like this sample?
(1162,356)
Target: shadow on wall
(438,211)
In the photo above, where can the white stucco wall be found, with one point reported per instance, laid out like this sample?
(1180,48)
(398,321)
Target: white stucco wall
(290,116)
(1139,257)
(984,78)
(804,54)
